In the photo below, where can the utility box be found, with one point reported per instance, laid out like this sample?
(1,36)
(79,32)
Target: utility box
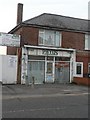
(8,69)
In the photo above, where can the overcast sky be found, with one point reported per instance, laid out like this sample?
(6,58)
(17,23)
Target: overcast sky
(32,8)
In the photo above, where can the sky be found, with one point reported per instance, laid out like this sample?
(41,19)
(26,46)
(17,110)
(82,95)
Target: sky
(32,8)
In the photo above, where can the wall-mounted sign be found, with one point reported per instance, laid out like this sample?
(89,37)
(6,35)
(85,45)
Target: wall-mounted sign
(49,52)
(9,40)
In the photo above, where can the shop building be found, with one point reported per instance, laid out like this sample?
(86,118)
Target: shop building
(47,65)
(54,49)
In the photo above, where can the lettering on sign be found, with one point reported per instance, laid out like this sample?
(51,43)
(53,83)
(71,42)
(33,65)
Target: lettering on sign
(9,39)
(49,52)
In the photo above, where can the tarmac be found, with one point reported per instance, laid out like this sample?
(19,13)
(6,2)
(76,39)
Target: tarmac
(42,90)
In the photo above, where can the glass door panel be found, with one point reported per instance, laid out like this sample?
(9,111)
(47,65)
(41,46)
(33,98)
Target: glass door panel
(49,72)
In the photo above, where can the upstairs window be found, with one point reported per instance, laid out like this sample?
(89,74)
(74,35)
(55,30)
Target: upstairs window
(87,42)
(49,38)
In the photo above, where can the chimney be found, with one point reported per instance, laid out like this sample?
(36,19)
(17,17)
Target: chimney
(19,13)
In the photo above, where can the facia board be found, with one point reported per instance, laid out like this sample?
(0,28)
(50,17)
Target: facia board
(9,39)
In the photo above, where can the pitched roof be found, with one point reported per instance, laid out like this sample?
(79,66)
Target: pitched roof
(58,22)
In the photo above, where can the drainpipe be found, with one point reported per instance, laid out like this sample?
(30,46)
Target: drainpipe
(19,50)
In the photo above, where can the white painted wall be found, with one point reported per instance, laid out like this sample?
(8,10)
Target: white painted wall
(9,69)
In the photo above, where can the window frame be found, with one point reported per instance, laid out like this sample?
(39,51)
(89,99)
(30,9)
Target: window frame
(55,33)
(88,68)
(87,42)
(76,64)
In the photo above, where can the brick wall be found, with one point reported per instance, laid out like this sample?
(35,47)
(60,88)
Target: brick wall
(73,40)
(30,36)
(81,81)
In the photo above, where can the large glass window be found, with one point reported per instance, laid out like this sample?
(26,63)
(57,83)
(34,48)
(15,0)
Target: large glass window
(49,38)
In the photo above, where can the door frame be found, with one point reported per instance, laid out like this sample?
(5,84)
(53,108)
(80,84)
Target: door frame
(53,69)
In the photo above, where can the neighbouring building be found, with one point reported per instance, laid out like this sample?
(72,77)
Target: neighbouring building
(54,49)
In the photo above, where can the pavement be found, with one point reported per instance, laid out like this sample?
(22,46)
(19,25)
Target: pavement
(42,90)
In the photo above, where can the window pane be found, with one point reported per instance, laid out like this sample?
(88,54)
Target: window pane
(41,37)
(78,68)
(49,67)
(57,39)
(49,38)
(87,42)
(62,59)
(50,58)
(36,58)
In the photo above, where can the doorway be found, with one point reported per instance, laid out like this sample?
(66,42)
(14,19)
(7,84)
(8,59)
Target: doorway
(49,72)
(62,72)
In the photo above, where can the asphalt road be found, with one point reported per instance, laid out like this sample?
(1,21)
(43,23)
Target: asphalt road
(54,106)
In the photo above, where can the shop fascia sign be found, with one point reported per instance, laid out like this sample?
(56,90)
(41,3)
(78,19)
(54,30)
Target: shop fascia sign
(45,52)
(49,52)
(9,39)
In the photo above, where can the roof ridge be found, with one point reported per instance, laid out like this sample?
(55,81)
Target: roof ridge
(65,16)
(55,15)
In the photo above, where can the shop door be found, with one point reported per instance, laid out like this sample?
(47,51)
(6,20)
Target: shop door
(36,70)
(49,72)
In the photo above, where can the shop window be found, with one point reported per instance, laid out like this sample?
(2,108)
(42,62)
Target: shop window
(79,69)
(50,58)
(49,38)
(36,57)
(62,59)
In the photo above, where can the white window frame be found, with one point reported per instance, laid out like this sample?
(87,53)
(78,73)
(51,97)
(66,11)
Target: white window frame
(87,42)
(79,75)
(42,31)
(89,68)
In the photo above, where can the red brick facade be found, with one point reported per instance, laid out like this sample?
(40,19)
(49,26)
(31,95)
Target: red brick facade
(75,40)
(72,40)
(29,36)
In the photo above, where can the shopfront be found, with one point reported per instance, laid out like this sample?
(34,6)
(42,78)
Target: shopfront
(44,65)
